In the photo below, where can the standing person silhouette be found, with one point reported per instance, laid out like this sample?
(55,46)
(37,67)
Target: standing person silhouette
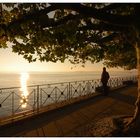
(104,79)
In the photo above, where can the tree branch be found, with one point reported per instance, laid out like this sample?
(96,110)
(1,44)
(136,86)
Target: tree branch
(101,41)
(112,6)
(53,23)
(32,16)
(104,27)
(97,14)
(108,38)
(84,10)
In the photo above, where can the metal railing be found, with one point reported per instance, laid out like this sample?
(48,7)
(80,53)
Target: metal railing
(13,103)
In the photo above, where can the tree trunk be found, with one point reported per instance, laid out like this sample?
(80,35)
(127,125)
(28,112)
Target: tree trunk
(137,110)
(135,121)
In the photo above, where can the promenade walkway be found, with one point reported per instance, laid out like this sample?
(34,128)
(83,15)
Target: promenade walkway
(77,118)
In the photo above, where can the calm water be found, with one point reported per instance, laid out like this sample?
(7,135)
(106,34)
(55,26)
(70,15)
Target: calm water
(25,98)
(14,80)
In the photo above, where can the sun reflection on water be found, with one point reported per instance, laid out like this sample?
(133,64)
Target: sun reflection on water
(23,81)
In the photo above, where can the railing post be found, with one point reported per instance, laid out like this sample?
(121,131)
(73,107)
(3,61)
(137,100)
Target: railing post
(34,95)
(37,98)
(56,94)
(12,103)
(88,87)
(69,91)
(119,81)
(116,82)
(80,90)
(40,97)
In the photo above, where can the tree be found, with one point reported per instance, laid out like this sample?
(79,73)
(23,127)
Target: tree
(119,57)
(77,32)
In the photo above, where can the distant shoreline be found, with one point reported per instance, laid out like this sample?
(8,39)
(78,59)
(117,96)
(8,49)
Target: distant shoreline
(44,72)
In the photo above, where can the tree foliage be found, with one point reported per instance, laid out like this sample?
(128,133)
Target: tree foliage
(77,32)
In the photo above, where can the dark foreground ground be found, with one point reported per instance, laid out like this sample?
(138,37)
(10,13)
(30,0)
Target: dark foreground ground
(79,118)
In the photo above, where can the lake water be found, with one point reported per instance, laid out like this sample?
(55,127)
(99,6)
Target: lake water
(14,80)
(15,100)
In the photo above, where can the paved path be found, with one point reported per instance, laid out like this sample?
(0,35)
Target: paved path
(74,120)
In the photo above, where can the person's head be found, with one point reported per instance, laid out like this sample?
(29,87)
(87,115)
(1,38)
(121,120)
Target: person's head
(104,68)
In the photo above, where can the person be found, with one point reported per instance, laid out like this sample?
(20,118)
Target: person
(104,79)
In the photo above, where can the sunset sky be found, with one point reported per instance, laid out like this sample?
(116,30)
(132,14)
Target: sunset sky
(12,62)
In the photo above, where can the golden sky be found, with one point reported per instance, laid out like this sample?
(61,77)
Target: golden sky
(12,62)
